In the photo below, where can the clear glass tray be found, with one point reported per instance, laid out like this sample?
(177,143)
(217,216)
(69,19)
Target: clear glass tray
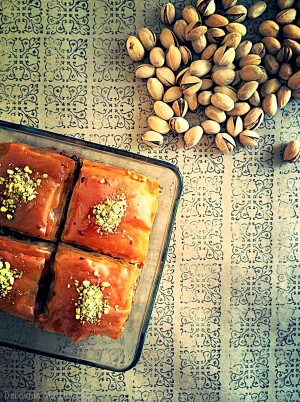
(122,354)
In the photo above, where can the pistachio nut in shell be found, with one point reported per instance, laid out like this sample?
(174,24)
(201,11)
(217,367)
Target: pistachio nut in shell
(294,81)
(190,85)
(271,64)
(236,27)
(285,71)
(190,14)
(216,21)
(158,124)
(167,13)
(234,125)
(135,48)
(180,107)
(200,68)
(223,77)
(179,29)
(204,98)
(232,39)
(194,30)
(168,38)
(225,143)
(179,125)
(284,55)
(257,9)
(250,73)
(222,102)
(243,49)
(237,13)
(255,100)
(254,118)
(206,7)
(157,57)
(250,60)
(183,73)
(291,31)
(292,151)
(270,87)
(215,35)
(228,3)
(249,138)
(199,44)
(269,105)
(186,55)
(247,90)
(269,28)
(166,76)
(145,71)
(173,58)
(192,136)
(283,96)
(211,127)
(230,91)
(153,139)
(155,88)
(208,52)
(240,108)
(224,55)
(172,94)
(286,16)
(294,45)
(147,37)
(163,110)
(282,4)
(207,83)
(259,49)
(213,113)
(272,45)
(192,101)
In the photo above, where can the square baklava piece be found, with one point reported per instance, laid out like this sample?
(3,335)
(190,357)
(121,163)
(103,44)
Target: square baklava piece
(34,186)
(112,211)
(90,295)
(22,265)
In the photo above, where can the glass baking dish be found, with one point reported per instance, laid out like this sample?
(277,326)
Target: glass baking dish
(102,352)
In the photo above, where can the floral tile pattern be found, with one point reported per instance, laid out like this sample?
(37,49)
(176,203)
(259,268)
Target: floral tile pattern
(225,325)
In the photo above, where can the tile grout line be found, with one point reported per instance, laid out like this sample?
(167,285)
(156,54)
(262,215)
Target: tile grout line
(225,282)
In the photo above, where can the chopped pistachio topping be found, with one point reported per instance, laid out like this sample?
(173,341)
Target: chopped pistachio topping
(7,278)
(109,214)
(19,187)
(91,303)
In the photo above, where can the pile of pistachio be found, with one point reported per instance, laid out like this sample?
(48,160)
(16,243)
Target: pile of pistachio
(203,60)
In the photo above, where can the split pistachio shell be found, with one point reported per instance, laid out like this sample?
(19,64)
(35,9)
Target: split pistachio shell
(145,71)
(213,113)
(222,102)
(166,76)
(168,38)
(153,139)
(232,39)
(284,55)
(157,57)
(234,125)
(259,49)
(172,94)
(211,127)
(236,27)
(155,88)
(199,44)
(179,29)
(292,151)
(206,7)
(254,118)
(190,85)
(195,30)
(163,110)
(249,138)
(179,125)
(224,56)
(228,3)
(286,16)
(167,13)
(237,13)
(215,35)
(193,136)
(135,48)
(186,55)
(147,37)
(180,107)
(158,124)
(225,143)
(243,49)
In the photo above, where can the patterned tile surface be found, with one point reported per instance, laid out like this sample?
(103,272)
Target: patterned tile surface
(226,323)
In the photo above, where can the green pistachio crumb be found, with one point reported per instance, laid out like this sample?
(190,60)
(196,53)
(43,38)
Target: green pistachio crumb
(7,278)
(109,214)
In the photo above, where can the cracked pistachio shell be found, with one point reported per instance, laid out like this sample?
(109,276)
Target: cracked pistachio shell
(145,71)
(228,3)
(135,48)
(240,109)
(222,102)
(158,124)
(294,81)
(179,125)
(231,92)
(249,138)
(192,136)
(166,76)
(192,101)
(211,127)
(292,151)
(167,13)
(180,107)
(283,96)
(215,35)
(195,30)
(155,88)
(269,105)
(234,125)
(163,110)
(179,29)
(157,57)
(225,143)
(200,68)
(213,113)
(183,73)
(257,9)
(190,14)
(186,55)
(284,55)
(172,94)
(272,45)
(223,77)
(204,98)
(232,39)
(243,49)
(259,49)
(190,85)
(292,44)
(206,7)
(224,56)
(254,118)
(286,16)
(247,90)
(168,38)
(199,44)
(173,58)
(216,21)
(147,37)
(237,13)
(269,28)
(153,139)
(236,27)
(270,87)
